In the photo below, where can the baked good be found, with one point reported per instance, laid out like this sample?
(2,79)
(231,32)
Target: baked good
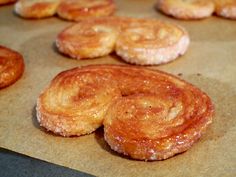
(147,114)
(186,9)
(137,41)
(226,8)
(11,66)
(88,39)
(157,116)
(77,10)
(36,9)
(151,42)
(76,101)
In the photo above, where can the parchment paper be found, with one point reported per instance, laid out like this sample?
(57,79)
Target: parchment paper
(210,64)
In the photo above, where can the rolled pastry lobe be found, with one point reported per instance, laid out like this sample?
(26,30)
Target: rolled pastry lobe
(88,39)
(226,8)
(163,117)
(78,10)
(75,102)
(186,9)
(151,42)
(36,8)
(11,66)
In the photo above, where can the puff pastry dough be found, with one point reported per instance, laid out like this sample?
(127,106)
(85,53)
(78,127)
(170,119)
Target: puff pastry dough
(226,8)
(186,9)
(138,41)
(36,8)
(147,114)
(77,10)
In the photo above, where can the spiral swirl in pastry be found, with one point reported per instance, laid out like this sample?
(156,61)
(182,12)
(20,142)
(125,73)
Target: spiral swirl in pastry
(137,41)
(147,114)
(81,9)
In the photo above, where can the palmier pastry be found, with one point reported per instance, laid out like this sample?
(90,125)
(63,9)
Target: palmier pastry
(80,9)
(11,66)
(36,8)
(88,39)
(226,8)
(139,41)
(147,114)
(151,42)
(3,2)
(186,9)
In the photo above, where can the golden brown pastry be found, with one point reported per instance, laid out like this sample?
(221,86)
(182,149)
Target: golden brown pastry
(11,66)
(147,114)
(226,8)
(186,9)
(81,9)
(88,39)
(138,41)
(36,8)
(151,42)
(76,101)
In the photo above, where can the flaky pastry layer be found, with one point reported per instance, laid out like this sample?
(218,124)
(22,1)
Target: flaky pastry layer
(78,10)
(226,8)
(67,9)
(186,9)
(151,42)
(36,8)
(138,41)
(147,114)
(88,39)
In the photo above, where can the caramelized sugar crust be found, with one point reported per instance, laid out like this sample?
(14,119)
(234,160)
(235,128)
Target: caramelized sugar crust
(89,39)
(226,8)
(151,42)
(78,10)
(138,41)
(147,114)
(36,8)
(11,66)
(74,10)
(186,9)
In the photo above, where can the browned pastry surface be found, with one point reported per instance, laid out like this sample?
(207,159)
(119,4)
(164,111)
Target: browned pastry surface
(151,42)
(138,41)
(147,114)
(74,10)
(89,39)
(226,8)
(186,9)
(78,10)
(36,8)
(11,66)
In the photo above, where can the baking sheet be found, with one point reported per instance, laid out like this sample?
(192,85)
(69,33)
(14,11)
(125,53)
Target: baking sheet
(209,64)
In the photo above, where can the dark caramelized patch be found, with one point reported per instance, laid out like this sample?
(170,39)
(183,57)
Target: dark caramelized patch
(11,66)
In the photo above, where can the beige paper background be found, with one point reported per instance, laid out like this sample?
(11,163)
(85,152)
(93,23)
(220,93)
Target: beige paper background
(210,64)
